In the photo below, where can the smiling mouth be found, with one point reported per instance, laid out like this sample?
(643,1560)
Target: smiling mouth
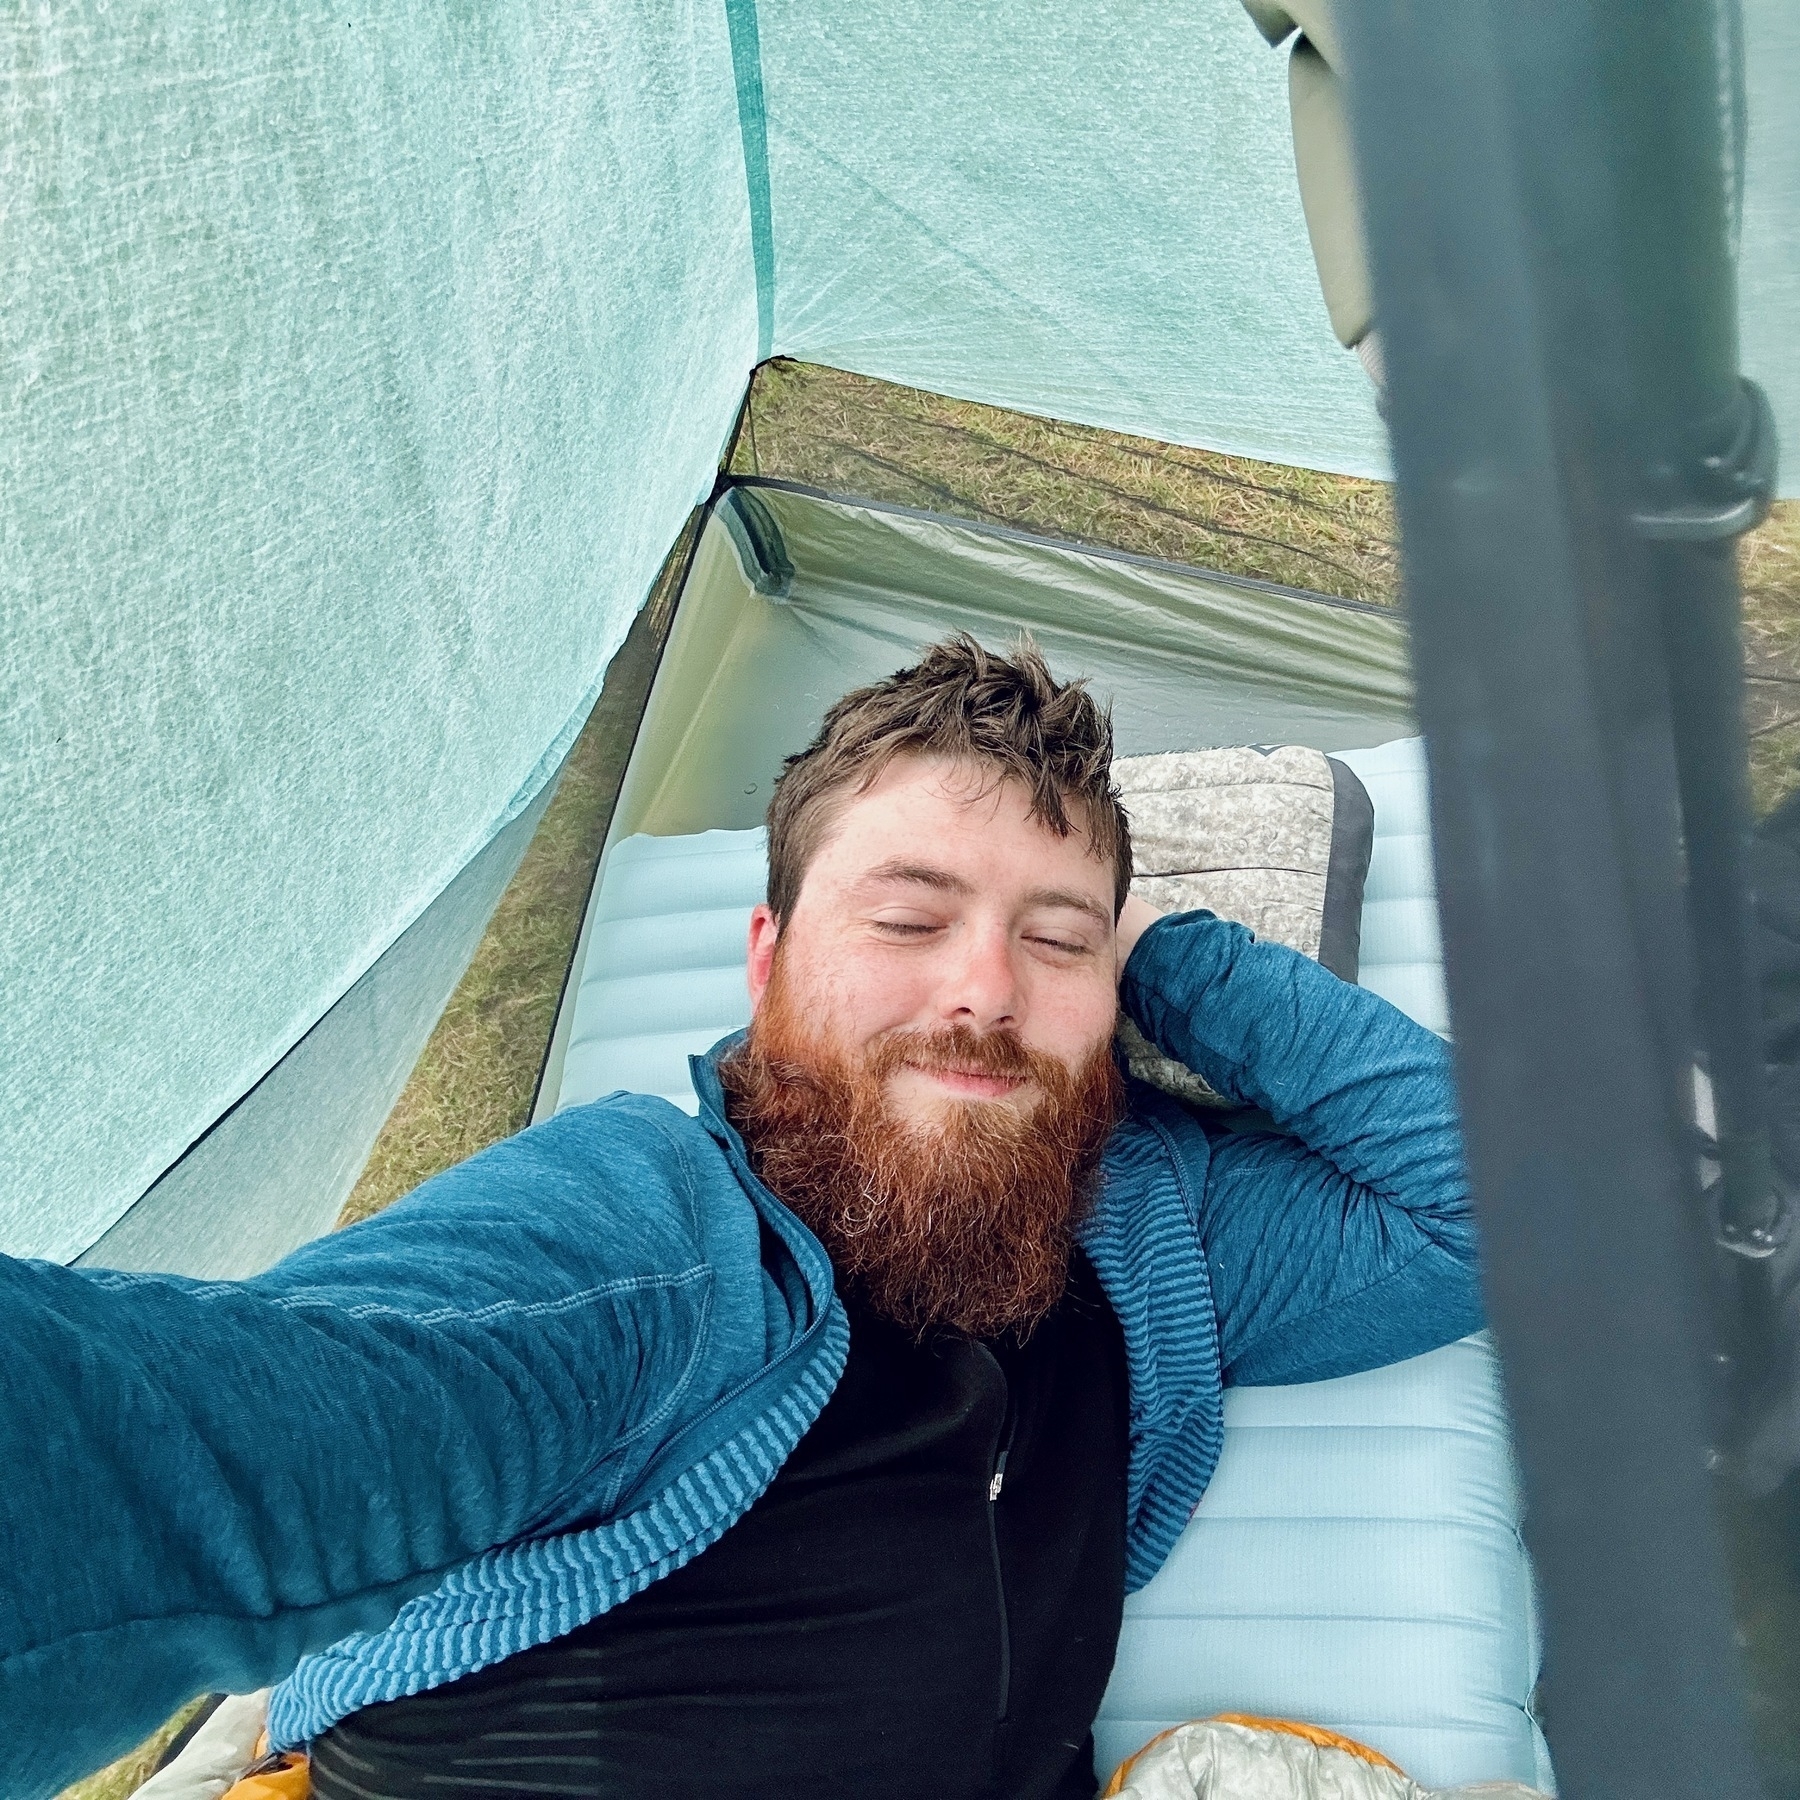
(978,1084)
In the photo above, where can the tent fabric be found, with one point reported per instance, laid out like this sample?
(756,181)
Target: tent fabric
(1186,656)
(997,236)
(358,372)
(1769,249)
(277,1169)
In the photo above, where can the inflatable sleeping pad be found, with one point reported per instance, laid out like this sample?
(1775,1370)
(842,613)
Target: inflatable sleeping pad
(1356,1562)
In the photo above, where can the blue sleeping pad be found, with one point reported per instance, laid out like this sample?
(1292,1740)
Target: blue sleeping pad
(663,978)
(1356,1561)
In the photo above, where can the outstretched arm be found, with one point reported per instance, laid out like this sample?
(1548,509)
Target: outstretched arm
(205,1481)
(1343,1240)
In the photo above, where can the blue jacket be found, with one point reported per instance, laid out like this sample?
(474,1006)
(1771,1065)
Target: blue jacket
(564,1368)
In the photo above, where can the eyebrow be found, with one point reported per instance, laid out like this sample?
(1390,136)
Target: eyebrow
(1069,898)
(920,874)
(926,875)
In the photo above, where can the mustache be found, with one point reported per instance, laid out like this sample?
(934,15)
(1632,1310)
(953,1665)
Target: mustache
(958,1049)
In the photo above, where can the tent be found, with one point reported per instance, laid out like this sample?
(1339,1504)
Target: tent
(359,374)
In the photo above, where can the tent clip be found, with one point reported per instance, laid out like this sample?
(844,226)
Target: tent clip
(1728,493)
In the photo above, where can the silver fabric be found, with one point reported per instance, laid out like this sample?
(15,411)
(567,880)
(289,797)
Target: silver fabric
(1220,1759)
(1244,833)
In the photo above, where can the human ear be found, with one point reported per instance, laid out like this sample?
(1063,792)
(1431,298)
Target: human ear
(765,928)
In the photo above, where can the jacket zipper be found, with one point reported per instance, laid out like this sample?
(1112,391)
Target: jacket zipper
(1003,1439)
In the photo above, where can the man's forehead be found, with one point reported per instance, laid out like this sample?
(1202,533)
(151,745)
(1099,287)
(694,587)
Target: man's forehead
(972,792)
(949,825)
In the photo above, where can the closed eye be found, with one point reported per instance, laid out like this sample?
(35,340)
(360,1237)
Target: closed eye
(1065,945)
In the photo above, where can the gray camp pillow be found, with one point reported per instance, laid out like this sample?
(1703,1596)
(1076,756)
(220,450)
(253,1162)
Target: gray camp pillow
(1277,838)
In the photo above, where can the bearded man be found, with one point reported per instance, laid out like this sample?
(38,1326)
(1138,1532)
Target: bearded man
(808,1447)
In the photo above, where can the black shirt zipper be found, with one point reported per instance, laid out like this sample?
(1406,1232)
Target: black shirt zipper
(1003,1440)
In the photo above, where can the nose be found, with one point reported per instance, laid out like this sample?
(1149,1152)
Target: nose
(980,988)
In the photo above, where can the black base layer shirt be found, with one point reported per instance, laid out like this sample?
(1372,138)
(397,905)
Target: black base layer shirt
(923,1606)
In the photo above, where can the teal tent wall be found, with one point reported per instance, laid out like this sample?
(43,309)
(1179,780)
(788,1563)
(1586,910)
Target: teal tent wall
(357,369)
(1084,211)
(1092,212)
(1769,256)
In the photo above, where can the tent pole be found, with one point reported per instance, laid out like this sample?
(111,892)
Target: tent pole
(1549,238)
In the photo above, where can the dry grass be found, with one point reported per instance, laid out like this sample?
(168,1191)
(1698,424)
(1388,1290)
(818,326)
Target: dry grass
(857,436)
(130,1773)
(475,1080)
(1770,562)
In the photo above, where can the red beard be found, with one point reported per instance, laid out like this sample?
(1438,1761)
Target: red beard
(967,1222)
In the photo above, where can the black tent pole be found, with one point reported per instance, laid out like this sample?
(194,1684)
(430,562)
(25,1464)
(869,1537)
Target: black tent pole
(1546,189)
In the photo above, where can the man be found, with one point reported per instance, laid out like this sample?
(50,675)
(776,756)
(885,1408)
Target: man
(808,1447)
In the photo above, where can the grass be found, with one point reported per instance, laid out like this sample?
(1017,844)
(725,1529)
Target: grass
(130,1772)
(475,1080)
(858,436)
(1770,566)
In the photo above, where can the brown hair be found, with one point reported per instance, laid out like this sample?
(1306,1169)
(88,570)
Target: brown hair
(966,704)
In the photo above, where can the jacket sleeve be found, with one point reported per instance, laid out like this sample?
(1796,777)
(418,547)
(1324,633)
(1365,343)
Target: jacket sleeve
(207,1480)
(1343,1240)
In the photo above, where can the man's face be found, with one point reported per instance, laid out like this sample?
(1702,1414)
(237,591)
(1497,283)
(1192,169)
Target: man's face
(936,902)
(929,1082)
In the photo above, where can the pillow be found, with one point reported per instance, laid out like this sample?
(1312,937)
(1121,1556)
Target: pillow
(1277,838)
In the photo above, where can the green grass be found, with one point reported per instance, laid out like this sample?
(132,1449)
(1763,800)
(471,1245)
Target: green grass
(474,1082)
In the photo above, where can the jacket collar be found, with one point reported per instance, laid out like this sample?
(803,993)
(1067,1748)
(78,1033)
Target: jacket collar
(705,1073)
(808,1253)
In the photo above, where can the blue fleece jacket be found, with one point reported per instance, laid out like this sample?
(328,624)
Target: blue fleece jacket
(564,1368)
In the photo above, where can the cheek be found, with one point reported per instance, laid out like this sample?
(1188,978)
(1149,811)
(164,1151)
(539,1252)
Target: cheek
(852,994)
(1072,1014)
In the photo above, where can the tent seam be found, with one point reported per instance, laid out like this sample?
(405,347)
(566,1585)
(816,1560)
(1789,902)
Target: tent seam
(753,125)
